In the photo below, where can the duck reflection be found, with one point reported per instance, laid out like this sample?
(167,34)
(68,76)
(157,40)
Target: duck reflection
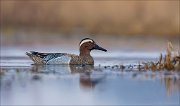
(89,77)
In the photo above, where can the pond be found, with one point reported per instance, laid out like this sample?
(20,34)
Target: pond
(102,84)
(26,84)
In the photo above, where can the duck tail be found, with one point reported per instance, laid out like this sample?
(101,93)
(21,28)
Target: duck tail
(34,57)
(31,53)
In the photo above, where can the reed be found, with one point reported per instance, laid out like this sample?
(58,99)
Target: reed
(170,61)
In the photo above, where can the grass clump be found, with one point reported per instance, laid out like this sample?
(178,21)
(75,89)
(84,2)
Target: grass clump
(170,61)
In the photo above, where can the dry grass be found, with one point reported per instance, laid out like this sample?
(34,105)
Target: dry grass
(170,61)
(105,17)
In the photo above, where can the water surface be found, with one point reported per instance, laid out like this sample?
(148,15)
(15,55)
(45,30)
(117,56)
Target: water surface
(26,84)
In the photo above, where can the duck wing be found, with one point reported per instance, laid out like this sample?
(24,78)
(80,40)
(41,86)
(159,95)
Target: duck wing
(48,58)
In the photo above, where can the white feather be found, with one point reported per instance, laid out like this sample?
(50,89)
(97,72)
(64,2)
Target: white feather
(60,60)
(84,41)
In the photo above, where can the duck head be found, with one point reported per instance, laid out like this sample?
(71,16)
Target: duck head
(87,44)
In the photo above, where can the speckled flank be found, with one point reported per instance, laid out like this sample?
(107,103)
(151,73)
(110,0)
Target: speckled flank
(82,60)
(59,58)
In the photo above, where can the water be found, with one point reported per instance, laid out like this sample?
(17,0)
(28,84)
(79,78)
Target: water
(26,84)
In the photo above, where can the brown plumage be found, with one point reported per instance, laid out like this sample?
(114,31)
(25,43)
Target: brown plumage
(85,47)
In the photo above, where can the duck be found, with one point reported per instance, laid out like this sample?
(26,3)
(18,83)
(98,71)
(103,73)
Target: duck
(86,45)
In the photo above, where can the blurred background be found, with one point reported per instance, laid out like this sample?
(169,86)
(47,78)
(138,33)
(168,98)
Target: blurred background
(114,24)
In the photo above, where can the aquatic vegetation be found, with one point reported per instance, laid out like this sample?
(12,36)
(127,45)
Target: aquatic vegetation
(170,61)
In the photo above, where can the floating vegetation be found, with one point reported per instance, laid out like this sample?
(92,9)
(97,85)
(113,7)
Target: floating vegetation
(170,61)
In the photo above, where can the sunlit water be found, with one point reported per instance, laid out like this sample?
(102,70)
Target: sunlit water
(26,84)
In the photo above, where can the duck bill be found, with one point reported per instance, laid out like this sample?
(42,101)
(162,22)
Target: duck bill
(96,47)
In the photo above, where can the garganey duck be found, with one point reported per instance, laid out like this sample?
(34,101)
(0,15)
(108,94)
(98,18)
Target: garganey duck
(84,58)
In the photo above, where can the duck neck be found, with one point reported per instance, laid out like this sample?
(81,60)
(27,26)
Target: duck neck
(84,52)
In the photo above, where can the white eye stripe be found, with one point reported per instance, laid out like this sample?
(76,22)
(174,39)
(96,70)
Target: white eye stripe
(84,41)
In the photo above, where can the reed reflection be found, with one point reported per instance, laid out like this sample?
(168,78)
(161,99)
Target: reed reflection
(172,84)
